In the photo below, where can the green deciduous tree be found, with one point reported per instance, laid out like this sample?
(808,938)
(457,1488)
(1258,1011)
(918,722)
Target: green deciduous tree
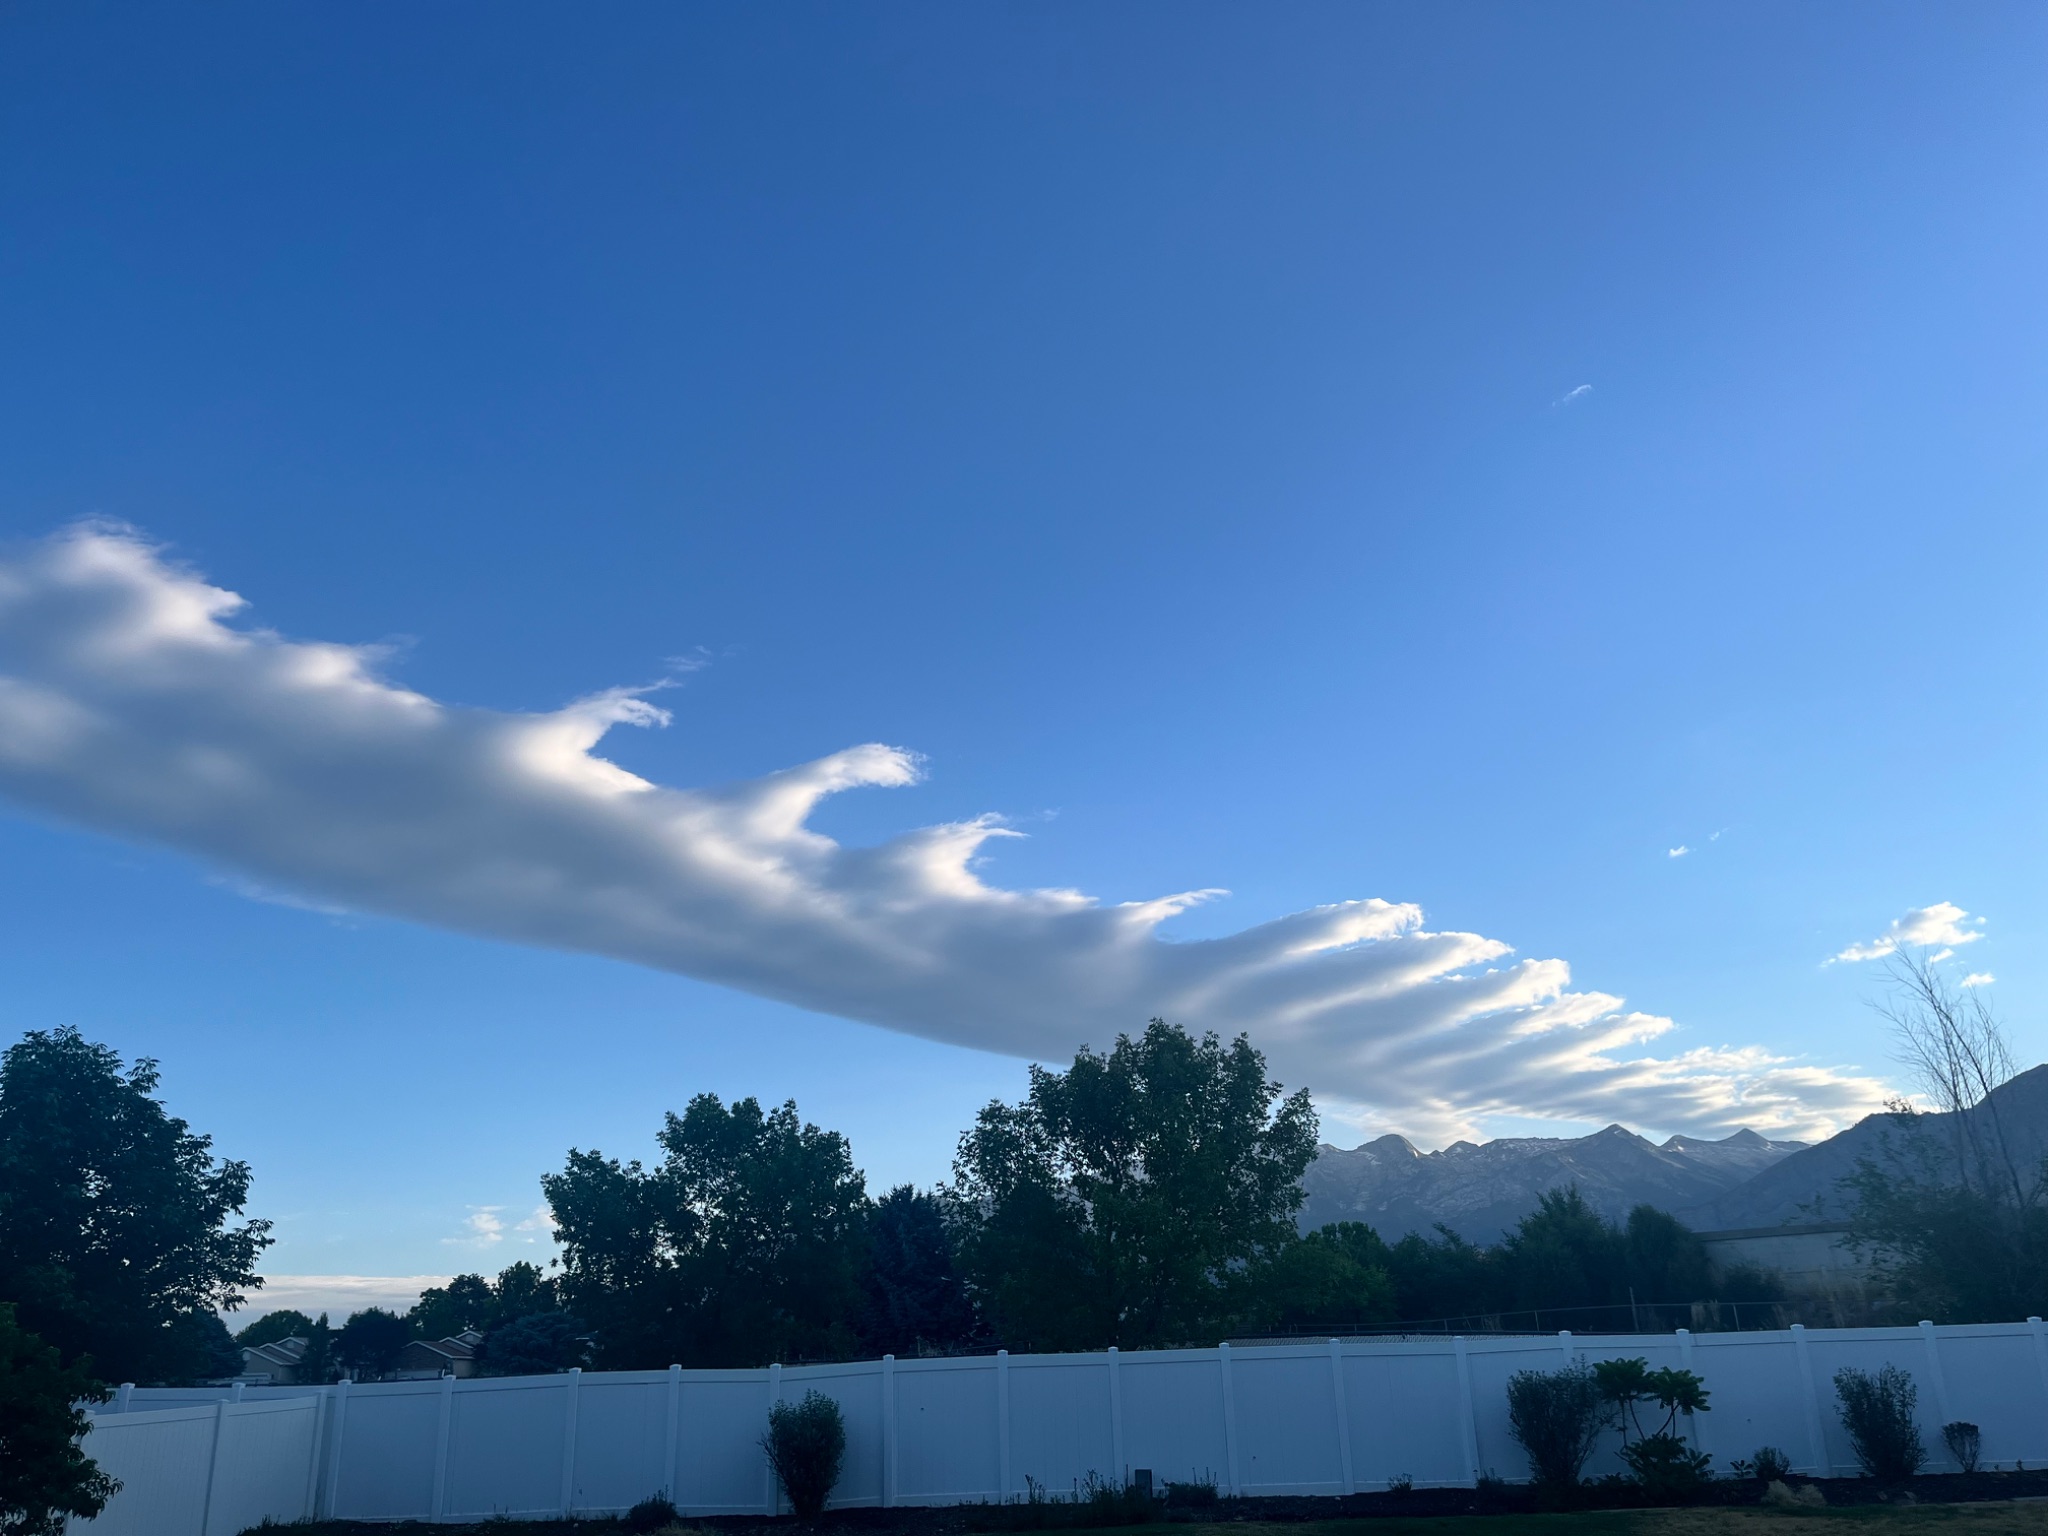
(744,1245)
(115,1235)
(45,1476)
(1122,1200)
(369,1342)
(914,1298)
(1337,1275)
(285,1323)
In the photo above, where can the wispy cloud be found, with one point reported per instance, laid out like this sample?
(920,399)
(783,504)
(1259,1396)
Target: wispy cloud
(483,1227)
(1979,979)
(1677,853)
(1944,923)
(541,1221)
(130,702)
(1575,393)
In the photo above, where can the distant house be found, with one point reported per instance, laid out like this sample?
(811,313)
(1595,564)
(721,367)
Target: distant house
(275,1364)
(439,1357)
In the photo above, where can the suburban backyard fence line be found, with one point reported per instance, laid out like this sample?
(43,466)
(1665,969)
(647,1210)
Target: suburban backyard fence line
(1331,1417)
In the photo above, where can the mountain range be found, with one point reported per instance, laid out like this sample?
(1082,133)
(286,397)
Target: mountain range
(1480,1190)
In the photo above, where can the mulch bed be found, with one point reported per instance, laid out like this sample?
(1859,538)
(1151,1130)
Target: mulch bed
(1494,1499)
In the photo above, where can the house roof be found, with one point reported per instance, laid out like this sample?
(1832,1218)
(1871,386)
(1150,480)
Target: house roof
(461,1347)
(285,1352)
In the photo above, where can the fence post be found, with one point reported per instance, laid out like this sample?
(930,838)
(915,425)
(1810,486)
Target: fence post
(888,1431)
(1817,1439)
(127,1393)
(220,1424)
(1116,1419)
(2040,1333)
(1349,1483)
(575,1381)
(1229,1419)
(1564,1339)
(1934,1374)
(442,1436)
(335,1432)
(1468,1411)
(675,1414)
(1002,1426)
(772,1496)
(310,1508)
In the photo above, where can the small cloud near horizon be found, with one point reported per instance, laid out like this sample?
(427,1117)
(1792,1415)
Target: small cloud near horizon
(1944,923)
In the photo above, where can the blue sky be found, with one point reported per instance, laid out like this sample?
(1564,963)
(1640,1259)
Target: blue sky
(1452,457)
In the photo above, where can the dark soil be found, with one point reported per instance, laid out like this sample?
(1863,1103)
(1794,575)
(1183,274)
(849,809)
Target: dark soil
(1491,1499)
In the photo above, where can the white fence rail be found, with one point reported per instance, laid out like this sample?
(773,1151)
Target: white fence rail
(1312,1418)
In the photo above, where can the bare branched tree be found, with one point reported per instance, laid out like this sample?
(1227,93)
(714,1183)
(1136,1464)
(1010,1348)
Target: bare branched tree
(1950,1040)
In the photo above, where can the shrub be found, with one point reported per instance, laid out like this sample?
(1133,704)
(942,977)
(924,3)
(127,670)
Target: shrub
(1660,1459)
(1197,1493)
(1878,1413)
(1668,1468)
(1965,1442)
(652,1513)
(805,1443)
(1766,1464)
(1404,1483)
(1557,1417)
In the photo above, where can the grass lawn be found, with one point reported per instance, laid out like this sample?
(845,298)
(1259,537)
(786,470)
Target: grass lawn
(2026,1519)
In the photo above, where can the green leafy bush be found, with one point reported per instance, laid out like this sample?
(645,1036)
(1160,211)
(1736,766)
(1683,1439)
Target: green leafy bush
(1878,1413)
(653,1513)
(1659,1458)
(1557,1417)
(806,1442)
(1767,1464)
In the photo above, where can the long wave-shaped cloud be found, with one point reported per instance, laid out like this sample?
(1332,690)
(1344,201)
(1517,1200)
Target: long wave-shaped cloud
(130,703)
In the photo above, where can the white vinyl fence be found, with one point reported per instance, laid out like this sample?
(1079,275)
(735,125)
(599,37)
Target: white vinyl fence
(1313,1418)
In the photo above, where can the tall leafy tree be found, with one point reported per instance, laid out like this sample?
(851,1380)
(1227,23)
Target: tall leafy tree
(285,1323)
(117,1238)
(370,1341)
(45,1475)
(914,1298)
(1121,1201)
(743,1247)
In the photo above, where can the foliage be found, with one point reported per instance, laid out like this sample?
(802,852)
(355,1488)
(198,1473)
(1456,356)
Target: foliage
(471,1301)
(114,1216)
(1557,1417)
(743,1247)
(370,1341)
(1965,1443)
(285,1323)
(913,1298)
(652,1513)
(1118,1203)
(1659,1458)
(534,1346)
(44,1475)
(805,1443)
(1336,1275)
(317,1366)
(1197,1493)
(1877,1410)
(1767,1464)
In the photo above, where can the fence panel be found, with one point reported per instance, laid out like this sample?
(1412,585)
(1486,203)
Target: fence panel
(209,1470)
(1060,1428)
(621,1432)
(389,1451)
(719,1465)
(1998,1388)
(948,1431)
(1173,1415)
(1286,1420)
(506,1444)
(1406,1416)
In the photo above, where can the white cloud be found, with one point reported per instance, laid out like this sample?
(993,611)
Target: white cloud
(481,1228)
(1944,923)
(1677,853)
(1570,395)
(541,1221)
(129,702)
(336,1295)
(1979,979)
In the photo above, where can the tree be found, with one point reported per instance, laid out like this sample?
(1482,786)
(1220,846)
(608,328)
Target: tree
(446,1310)
(285,1323)
(317,1366)
(115,1239)
(913,1296)
(743,1247)
(1120,1202)
(1335,1276)
(534,1345)
(370,1341)
(1953,1219)
(45,1476)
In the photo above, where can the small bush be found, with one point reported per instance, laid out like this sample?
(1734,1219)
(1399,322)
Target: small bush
(1878,1413)
(805,1443)
(1197,1493)
(652,1513)
(1965,1442)
(1772,1464)
(1557,1417)
(1669,1470)
(1405,1483)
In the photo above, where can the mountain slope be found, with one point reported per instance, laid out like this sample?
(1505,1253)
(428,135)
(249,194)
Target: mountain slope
(1778,1193)
(1481,1191)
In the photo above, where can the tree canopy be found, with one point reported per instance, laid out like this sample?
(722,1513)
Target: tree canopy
(1120,1202)
(116,1240)
(45,1475)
